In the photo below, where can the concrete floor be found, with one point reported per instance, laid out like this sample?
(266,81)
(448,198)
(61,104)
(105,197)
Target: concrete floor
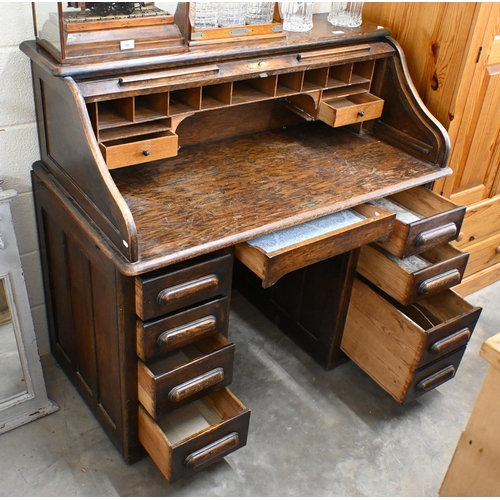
(312,433)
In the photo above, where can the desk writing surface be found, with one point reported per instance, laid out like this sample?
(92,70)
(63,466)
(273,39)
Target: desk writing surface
(221,193)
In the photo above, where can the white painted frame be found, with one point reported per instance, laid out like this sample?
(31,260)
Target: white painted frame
(32,404)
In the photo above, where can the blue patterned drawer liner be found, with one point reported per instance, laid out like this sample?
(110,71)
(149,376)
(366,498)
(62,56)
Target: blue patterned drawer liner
(305,231)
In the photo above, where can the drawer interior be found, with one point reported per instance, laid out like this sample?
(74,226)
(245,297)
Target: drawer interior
(189,420)
(273,255)
(191,352)
(139,138)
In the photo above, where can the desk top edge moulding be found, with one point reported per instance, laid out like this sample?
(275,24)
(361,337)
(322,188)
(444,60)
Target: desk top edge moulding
(273,162)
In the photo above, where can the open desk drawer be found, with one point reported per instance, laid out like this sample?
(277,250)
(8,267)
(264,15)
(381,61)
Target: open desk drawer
(273,255)
(416,277)
(185,374)
(392,343)
(356,108)
(196,435)
(140,149)
(423,220)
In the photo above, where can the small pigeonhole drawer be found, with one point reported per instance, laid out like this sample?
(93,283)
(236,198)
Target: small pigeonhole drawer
(183,285)
(350,109)
(275,254)
(196,435)
(416,277)
(390,342)
(157,338)
(423,220)
(185,374)
(139,149)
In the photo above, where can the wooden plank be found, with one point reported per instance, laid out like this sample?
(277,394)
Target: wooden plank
(478,280)
(483,254)
(490,351)
(473,470)
(481,221)
(469,196)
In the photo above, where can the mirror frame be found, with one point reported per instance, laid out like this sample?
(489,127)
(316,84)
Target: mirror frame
(32,404)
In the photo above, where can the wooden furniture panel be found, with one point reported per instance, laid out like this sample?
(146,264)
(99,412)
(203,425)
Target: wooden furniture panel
(185,375)
(391,343)
(473,468)
(452,51)
(411,279)
(195,436)
(91,322)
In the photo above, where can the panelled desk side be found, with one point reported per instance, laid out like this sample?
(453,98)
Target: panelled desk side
(138,261)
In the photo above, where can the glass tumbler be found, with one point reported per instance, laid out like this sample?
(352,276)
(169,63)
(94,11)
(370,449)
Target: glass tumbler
(232,13)
(203,15)
(297,16)
(260,12)
(346,14)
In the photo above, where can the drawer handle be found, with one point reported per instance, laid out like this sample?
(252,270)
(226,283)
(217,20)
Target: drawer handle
(361,113)
(179,292)
(195,385)
(146,152)
(203,455)
(436,379)
(440,282)
(450,341)
(446,231)
(187,332)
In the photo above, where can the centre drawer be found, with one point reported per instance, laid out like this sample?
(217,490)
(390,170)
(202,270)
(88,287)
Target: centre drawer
(185,374)
(183,285)
(196,435)
(416,277)
(157,338)
(391,342)
(273,255)
(423,220)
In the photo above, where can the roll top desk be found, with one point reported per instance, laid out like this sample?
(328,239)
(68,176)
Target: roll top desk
(294,168)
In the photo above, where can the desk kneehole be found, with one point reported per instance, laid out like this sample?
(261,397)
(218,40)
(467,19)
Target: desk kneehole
(272,256)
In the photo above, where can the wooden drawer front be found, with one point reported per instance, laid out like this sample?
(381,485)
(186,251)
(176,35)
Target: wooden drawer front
(350,109)
(157,338)
(196,435)
(411,279)
(131,151)
(435,374)
(424,220)
(183,286)
(279,253)
(185,375)
(391,342)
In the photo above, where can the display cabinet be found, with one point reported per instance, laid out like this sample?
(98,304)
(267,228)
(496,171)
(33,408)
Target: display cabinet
(263,164)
